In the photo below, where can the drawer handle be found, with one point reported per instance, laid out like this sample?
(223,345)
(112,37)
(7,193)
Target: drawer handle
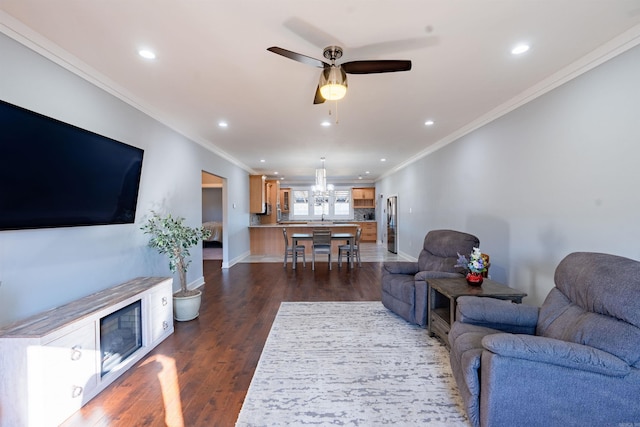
(76,352)
(165,301)
(165,325)
(76,391)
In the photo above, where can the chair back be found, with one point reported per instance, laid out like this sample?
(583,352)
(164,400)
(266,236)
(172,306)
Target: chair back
(286,238)
(322,237)
(358,235)
(441,248)
(596,302)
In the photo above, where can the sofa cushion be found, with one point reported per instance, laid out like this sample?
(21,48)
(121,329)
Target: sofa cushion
(561,319)
(440,249)
(401,286)
(556,352)
(466,351)
(503,315)
(601,283)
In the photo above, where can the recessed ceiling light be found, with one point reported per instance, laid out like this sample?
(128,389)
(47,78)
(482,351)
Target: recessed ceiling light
(520,49)
(325,124)
(383,160)
(147,54)
(367,172)
(223,124)
(262,160)
(275,173)
(429,123)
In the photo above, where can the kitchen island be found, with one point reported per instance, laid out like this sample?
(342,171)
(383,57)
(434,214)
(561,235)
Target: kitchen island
(267,239)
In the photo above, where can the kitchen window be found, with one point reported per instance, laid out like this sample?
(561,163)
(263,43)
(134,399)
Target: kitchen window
(332,205)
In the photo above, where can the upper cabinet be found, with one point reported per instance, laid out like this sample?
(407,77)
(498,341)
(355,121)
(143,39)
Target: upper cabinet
(364,197)
(257,193)
(285,199)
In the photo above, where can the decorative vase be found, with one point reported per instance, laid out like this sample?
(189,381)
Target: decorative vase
(474,279)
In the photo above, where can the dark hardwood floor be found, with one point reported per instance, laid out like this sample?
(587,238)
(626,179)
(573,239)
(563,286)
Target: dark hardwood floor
(199,376)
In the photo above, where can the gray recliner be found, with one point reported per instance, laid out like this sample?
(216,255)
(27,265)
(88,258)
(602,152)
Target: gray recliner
(404,286)
(575,361)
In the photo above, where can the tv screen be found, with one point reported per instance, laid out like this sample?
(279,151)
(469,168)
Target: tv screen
(53,174)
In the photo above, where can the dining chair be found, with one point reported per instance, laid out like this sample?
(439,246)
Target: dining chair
(321,245)
(345,249)
(289,250)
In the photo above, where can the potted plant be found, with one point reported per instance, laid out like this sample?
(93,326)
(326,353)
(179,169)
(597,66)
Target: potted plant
(171,237)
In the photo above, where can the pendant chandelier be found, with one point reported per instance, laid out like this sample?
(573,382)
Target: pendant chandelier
(321,187)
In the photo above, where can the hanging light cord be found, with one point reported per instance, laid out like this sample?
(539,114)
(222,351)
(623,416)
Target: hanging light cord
(337,120)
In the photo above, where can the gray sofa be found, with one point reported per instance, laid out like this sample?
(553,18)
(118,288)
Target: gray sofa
(575,361)
(404,286)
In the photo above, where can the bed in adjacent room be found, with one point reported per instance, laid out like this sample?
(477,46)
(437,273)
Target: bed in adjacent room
(216,231)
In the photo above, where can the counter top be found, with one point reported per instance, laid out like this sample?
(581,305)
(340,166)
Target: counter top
(305,225)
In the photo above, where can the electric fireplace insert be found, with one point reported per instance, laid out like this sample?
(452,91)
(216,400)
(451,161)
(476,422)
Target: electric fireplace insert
(120,335)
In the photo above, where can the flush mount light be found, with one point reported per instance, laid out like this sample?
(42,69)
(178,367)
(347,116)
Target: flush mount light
(429,123)
(520,49)
(147,54)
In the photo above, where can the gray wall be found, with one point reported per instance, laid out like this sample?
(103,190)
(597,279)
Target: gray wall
(212,204)
(557,175)
(41,269)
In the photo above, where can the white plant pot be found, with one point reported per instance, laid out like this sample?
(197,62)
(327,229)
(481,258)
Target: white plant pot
(186,308)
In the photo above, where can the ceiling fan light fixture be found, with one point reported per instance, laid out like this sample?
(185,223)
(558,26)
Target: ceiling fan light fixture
(333,83)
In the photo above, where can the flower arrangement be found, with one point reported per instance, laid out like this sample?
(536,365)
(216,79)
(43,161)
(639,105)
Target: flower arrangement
(475,264)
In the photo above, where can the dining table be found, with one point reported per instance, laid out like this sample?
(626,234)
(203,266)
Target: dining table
(348,237)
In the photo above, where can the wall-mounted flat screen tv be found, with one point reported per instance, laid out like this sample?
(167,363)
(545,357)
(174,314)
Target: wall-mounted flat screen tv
(53,174)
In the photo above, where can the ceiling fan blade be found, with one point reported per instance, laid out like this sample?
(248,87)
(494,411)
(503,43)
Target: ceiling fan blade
(318,99)
(298,57)
(314,35)
(370,67)
(393,47)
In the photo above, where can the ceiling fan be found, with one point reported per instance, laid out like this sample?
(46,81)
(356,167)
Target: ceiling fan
(333,78)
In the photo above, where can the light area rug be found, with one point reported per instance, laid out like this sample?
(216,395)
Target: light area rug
(350,364)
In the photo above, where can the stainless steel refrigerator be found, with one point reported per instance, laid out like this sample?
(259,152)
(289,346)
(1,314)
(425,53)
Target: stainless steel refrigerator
(392,224)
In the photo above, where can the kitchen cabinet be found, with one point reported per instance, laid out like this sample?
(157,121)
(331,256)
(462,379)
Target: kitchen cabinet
(285,199)
(369,231)
(273,201)
(257,193)
(363,197)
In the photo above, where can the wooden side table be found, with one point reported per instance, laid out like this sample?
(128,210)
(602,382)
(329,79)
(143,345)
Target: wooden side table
(443,295)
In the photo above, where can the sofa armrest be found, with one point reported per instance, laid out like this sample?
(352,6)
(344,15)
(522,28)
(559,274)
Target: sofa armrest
(400,267)
(505,316)
(426,275)
(556,352)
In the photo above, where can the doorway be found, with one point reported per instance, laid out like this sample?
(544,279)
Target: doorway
(213,217)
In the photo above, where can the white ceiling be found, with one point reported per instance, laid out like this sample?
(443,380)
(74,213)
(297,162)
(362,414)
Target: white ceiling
(212,65)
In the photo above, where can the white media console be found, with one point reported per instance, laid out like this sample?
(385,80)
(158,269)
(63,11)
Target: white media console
(54,362)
